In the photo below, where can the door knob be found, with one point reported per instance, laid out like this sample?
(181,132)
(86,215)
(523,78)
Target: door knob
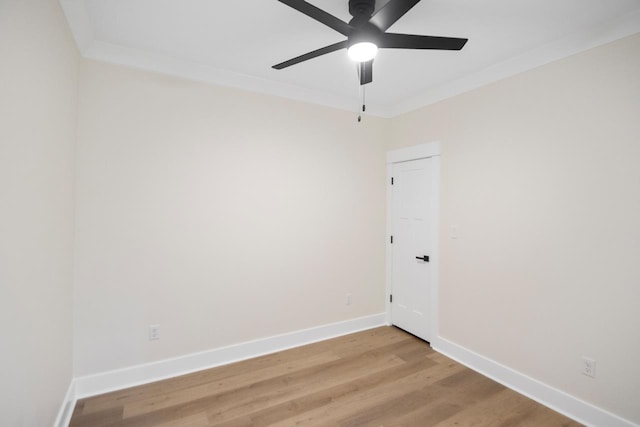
(424,258)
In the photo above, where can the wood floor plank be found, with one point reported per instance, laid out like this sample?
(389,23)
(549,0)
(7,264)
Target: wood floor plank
(429,404)
(324,397)
(341,410)
(253,396)
(103,418)
(433,402)
(196,420)
(299,384)
(507,408)
(177,397)
(377,378)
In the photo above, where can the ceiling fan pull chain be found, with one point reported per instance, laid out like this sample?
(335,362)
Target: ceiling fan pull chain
(364,107)
(360,93)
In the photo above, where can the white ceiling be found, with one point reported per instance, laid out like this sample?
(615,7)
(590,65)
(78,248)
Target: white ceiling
(235,43)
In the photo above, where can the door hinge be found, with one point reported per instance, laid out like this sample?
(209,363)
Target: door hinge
(391,180)
(390,297)
(392,240)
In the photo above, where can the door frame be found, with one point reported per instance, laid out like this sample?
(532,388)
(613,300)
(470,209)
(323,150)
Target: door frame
(416,152)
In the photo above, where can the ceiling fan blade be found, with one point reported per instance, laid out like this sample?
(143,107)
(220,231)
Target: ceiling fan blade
(411,41)
(311,55)
(319,15)
(391,12)
(365,72)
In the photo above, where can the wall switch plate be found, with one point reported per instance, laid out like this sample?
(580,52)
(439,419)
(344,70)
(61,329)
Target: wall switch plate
(453,232)
(347,300)
(154,332)
(588,367)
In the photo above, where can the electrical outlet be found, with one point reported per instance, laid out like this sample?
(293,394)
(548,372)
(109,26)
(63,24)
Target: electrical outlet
(347,300)
(154,332)
(588,367)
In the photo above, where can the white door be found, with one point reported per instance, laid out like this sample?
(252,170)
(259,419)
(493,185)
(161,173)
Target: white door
(412,202)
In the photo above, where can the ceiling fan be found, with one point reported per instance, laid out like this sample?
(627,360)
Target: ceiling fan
(366,32)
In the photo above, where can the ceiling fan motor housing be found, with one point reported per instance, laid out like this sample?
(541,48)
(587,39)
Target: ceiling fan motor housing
(362,9)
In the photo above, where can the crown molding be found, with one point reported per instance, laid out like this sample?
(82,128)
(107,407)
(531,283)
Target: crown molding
(164,64)
(569,45)
(90,48)
(79,22)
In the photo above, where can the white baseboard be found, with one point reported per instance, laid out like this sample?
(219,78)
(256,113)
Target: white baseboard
(104,382)
(66,409)
(555,399)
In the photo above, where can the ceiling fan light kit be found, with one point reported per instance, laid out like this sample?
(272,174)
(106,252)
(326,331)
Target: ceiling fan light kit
(362,51)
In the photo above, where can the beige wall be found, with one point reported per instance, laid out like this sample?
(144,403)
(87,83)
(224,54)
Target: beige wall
(540,173)
(221,215)
(38,87)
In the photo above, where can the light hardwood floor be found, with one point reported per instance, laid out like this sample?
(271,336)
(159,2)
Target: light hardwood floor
(380,377)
